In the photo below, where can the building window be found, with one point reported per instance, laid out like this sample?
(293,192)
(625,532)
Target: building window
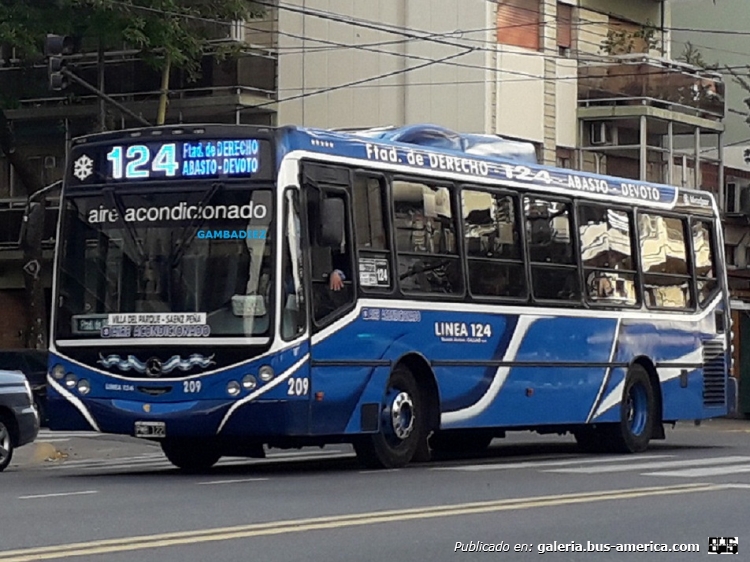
(626,37)
(518,23)
(564,28)
(729,252)
(564,158)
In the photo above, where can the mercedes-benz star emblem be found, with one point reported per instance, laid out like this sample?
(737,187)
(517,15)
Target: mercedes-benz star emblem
(153,367)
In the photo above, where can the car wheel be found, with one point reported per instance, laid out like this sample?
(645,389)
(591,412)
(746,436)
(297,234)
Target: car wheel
(6,444)
(41,409)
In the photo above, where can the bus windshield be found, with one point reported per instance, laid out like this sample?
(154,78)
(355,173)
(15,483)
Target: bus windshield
(193,263)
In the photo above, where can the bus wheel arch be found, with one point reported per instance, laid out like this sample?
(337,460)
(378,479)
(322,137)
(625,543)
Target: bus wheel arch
(653,375)
(638,412)
(427,382)
(405,416)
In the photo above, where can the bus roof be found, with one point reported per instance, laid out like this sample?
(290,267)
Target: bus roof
(468,159)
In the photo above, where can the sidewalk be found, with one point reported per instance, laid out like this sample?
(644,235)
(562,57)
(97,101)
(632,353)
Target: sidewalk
(737,424)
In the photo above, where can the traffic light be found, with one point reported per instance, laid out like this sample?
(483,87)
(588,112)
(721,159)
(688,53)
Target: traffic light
(55,46)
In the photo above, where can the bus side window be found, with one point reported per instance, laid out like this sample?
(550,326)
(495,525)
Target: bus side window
(607,255)
(373,249)
(554,273)
(493,244)
(703,249)
(666,277)
(428,260)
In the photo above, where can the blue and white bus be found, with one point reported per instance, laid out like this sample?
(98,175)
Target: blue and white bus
(223,289)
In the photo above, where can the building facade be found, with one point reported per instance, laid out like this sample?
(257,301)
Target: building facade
(591,83)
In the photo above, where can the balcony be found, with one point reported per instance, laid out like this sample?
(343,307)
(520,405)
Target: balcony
(11,220)
(245,81)
(636,79)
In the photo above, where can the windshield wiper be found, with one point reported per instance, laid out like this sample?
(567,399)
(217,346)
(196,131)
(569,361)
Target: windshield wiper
(191,230)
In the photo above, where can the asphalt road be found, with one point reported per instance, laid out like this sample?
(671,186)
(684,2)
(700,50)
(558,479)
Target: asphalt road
(98,498)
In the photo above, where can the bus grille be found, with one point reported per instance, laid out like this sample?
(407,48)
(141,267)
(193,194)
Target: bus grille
(714,373)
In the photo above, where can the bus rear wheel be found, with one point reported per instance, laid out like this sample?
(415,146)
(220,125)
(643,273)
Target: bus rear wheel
(402,425)
(633,432)
(191,455)
(637,413)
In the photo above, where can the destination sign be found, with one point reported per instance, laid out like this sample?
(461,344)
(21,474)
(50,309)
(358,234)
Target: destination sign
(557,179)
(173,160)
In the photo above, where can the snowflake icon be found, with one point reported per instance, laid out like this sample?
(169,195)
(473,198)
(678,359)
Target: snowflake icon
(83,167)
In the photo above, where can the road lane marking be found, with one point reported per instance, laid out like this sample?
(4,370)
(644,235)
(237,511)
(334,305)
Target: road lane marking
(58,495)
(126,544)
(700,472)
(542,464)
(234,481)
(650,465)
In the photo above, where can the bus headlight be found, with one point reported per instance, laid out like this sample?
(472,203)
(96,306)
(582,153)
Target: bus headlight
(71,380)
(58,372)
(266,373)
(233,388)
(249,382)
(84,387)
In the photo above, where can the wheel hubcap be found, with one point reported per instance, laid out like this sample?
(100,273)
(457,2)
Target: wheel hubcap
(402,415)
(637,410)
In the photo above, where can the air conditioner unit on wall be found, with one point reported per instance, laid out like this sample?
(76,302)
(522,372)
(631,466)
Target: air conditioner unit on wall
(603,133)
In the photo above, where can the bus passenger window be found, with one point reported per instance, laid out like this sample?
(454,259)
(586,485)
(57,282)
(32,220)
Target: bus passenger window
(666,278)
(554,273)
(705,272)
(428,259)
(493,246)
(607,255)
(373,249)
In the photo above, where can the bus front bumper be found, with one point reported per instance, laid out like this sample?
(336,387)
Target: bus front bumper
(198,418)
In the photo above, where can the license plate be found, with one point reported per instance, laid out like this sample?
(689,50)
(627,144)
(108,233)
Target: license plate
(150,429)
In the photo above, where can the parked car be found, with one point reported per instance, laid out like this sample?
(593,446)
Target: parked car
(33,364)
(19,420)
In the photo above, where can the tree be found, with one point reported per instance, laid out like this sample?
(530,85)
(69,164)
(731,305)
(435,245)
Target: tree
(170,34)
(692,55)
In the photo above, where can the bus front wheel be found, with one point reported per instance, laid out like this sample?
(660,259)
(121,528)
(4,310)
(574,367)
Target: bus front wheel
(402,425)
(191,455)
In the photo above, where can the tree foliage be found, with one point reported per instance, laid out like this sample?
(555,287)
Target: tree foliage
(166,33)
(692,55)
